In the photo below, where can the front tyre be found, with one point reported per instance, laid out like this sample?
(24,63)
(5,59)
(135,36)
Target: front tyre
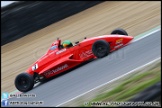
(119,31)
(24,82)
(101,48)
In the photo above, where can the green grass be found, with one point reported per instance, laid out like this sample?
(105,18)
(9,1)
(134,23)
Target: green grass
(131,86)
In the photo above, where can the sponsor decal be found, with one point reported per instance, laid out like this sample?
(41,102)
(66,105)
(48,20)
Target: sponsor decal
(63,50)
(34,67)
(118,45)
(85,54)
(49,72)
(118,41)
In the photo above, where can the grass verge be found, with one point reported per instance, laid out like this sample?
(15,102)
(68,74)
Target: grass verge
(130,87)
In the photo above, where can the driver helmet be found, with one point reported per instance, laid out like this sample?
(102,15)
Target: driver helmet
(67,44)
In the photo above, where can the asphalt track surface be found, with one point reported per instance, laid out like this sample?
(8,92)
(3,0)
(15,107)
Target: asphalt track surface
(97,72)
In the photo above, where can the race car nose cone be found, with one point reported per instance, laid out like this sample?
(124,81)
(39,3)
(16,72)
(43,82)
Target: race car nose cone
(131,37)
(128,39)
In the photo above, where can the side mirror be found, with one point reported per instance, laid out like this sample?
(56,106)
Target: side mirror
(59,42)
(85,37)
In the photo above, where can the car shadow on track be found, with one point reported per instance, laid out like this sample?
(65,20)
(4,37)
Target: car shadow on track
(63,73)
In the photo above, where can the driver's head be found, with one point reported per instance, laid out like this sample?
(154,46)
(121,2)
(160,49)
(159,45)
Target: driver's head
(67,44)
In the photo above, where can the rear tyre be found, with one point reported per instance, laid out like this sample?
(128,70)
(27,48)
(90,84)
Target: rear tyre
(119,31)
(101,48)
(24,82)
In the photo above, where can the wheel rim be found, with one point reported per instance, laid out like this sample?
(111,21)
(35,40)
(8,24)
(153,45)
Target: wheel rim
(101,50)
(23,83)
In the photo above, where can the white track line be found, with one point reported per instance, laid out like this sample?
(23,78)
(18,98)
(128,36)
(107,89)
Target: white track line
(134,70)
(146,35)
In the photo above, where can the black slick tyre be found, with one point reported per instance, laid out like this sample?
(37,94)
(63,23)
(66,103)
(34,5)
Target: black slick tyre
(100,48)
(119,31)
(24,82)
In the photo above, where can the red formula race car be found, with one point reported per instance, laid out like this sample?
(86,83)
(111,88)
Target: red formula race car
(58,59)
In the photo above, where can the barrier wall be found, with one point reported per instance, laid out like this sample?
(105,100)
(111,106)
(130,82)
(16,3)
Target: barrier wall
(152,93)
(22,18)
